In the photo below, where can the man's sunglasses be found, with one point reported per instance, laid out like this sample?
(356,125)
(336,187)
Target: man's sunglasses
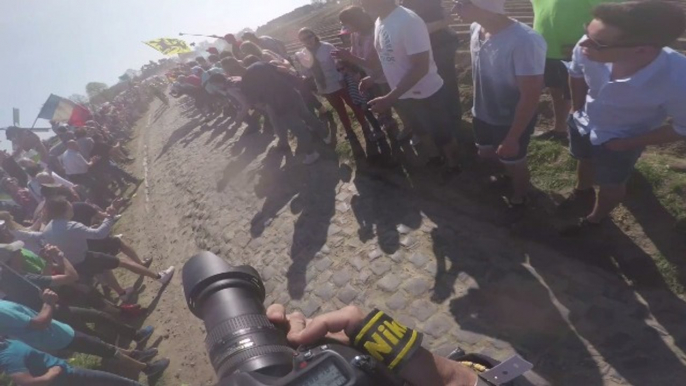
(598,46)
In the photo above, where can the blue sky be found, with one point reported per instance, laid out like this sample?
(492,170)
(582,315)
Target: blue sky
(57,46)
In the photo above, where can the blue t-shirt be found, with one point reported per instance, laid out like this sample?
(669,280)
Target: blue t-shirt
(14,322)
(17,358)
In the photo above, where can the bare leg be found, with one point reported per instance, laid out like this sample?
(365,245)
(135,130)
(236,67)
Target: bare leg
(520,180)
(137,268)
(561,108)
(130,252)
(584,175)
(609,196)
(109,280)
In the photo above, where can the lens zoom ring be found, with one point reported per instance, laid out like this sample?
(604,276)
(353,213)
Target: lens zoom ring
(234,361)
(231,326)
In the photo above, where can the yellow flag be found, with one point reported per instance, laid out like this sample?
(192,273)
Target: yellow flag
(169,46)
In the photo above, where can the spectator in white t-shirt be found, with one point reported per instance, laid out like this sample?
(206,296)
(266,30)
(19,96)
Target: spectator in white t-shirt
(508,63)
(417,91)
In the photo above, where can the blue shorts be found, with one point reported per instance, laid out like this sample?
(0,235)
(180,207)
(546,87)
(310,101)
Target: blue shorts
(610,167)
(491,136)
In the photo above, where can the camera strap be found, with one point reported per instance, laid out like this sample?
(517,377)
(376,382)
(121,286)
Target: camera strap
(386,340)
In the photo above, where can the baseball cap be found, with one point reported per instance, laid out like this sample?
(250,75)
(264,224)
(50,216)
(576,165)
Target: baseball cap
(495,6)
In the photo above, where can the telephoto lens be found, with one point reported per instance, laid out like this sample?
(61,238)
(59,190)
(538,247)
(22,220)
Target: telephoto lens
(230,301)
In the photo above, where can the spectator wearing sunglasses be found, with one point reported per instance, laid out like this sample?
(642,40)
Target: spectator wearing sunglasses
(625,84)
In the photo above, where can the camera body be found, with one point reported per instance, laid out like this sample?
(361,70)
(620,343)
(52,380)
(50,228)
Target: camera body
(246,349)
(330,364)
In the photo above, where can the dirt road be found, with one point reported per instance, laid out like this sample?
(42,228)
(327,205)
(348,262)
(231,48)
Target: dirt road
(324,236)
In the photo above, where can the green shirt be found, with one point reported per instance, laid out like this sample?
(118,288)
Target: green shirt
(32,262)
(561,22)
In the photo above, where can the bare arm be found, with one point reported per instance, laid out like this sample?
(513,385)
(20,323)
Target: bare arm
(420,67)
(530,88)
(43,319)
(579,90)
(94,233)
(26,379)
(69,274)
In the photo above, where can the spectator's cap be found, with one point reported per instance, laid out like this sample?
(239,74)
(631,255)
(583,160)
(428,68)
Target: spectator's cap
(495,6)
(213,50)
(8,250)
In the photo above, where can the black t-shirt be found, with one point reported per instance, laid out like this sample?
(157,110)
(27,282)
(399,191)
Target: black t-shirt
(18,288)
(431,11)
(102,150)
(83,213)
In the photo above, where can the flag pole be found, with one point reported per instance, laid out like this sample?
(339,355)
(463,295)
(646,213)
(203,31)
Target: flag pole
(34,123)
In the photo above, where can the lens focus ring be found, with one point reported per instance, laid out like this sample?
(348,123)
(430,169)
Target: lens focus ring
(234,326)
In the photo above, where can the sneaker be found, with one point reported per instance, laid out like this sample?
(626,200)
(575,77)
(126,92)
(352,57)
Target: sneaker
(581,228)
(328,139)
(311,158)
(126,296)
(147,262)
(156,368)
(166,275)
(580,201)
(143,334)
(144,355)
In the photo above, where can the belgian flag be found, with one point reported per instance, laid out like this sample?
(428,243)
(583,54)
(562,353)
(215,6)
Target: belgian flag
(169,46)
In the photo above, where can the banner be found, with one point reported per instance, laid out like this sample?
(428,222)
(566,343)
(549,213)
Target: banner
(169,46)
(15,117)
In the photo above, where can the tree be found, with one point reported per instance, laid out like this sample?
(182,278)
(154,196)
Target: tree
(95,88)
(79,98)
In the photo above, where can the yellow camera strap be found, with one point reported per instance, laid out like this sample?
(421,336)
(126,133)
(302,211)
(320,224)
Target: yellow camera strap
(386,340)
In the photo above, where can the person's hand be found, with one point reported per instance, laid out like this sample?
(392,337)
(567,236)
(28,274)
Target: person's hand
(366,84)
(118,203)
(381,104)
(304,331)
(111,211)
(55,370)
(49,297)
(95,158)
(509,148)
(50,252)
(619,145)
(342,55)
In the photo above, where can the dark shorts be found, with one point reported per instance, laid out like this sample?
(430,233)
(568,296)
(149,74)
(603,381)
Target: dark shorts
(557,76)
(610,167)
(86,344)
(95,264)
(108,245)
(433,115)
(491,136)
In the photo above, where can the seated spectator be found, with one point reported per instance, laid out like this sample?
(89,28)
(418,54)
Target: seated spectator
(20,196)
(72,238)
(38,177)
(41,331)
(27,366)
(25,140)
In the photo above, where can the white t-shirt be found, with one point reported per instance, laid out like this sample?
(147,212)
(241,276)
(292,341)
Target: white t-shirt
(328,65)
(398,36)
(74,163)
(515,51)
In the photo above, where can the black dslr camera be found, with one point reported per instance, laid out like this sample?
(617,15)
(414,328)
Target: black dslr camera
(247,350)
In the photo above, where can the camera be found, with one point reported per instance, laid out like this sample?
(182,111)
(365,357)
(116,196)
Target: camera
(246,349)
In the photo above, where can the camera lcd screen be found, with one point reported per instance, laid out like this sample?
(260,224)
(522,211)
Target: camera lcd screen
(325,374)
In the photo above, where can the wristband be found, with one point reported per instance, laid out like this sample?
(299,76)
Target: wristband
(386,340)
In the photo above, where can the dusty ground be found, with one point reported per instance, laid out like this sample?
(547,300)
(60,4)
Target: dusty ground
(585,313)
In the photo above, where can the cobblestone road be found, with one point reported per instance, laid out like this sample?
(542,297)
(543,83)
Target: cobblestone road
(324,236)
